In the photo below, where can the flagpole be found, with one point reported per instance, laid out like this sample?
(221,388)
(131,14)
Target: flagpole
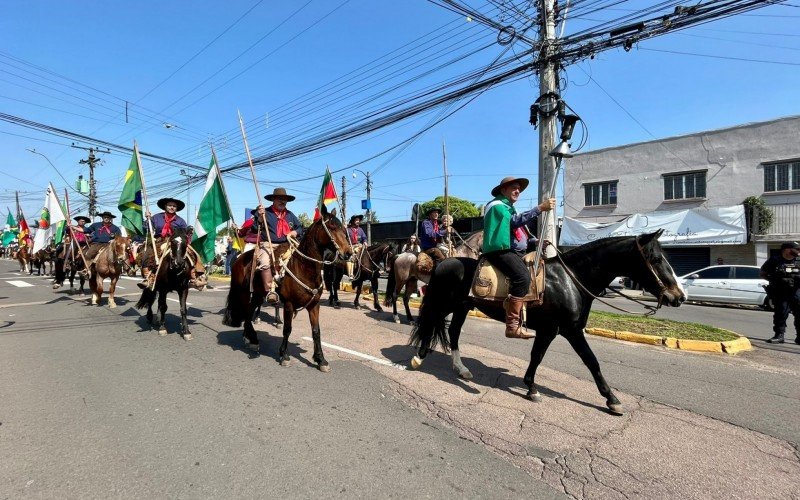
(263,217)
(447,202)
(146,204)
(224,191)
(72,232)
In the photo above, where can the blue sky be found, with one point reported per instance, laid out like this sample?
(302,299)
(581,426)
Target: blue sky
(94,56)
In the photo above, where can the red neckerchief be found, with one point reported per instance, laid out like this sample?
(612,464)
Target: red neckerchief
(168,220)
(519,234)
(283,226)
(436,230)
(107,228)
(354,235)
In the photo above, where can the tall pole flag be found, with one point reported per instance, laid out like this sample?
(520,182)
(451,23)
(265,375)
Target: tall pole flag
(326,195)
(213,212)
(24,231)
(49,220)
(130,201)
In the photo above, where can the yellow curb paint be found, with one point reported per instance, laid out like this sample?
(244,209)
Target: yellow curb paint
(640,338)
(602,332)
(699,345)
(671,342)
(735,346)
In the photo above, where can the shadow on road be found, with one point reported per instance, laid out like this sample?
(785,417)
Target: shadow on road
(267,345)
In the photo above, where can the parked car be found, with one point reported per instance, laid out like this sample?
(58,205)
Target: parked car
(616,284)
(726,285)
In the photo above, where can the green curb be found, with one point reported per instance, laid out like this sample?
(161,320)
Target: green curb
(727,347)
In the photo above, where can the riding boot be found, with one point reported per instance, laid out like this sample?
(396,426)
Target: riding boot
(777,339)
(147,274)
(514,307)
(266,279)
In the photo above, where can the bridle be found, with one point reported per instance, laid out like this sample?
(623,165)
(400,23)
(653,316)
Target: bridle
(662,288)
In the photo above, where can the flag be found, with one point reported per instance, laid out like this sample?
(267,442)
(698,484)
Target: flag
(49,220)
(326,195)
(24,231)
(10,231)
(213,212)
(130,201)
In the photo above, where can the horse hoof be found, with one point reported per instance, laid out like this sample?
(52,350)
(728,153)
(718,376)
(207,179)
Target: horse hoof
(162,332)
(379,309)
(325,368)
(615,408)
(187,336)
(396,319)
(56,286)
(535,396)
(257,321)
(465,374)
(416,362)
(250,346)
(285,362)
(112,305)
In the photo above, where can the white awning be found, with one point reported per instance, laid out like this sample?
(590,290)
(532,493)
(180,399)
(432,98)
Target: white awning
(695,227)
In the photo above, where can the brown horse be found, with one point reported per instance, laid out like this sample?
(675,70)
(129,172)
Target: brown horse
(301,287)
(109,263)
(404,272)
(24,258)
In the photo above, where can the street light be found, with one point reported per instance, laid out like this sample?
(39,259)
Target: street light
(189,178)
(369,204)
(57,171)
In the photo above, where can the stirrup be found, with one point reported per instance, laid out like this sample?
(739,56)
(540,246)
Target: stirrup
(272,298)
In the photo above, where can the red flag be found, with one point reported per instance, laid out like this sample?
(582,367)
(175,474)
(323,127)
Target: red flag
(326,195)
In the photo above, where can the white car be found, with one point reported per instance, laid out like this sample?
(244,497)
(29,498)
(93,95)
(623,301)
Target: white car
(726,284)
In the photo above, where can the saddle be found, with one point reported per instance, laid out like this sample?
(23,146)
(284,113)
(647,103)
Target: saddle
(491,284)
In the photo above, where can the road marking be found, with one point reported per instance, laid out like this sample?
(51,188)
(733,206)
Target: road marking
(19,283)
(178,301)
(380,361)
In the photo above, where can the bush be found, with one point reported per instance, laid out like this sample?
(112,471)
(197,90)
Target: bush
(759,215)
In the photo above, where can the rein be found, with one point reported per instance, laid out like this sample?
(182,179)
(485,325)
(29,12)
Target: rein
(651,310)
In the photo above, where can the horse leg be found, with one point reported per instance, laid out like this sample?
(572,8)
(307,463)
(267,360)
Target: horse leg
(283,355)
(459,316)
(184,295)
(358,294)
(111,288)
(278,320)
(162,313)
(540,344)
(374,283)
(406,297)
(97,288)
(578,342)
(319,357)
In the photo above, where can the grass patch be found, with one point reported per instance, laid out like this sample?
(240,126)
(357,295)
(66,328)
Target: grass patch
(659,327)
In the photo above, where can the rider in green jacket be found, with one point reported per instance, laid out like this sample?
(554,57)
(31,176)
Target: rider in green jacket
(505,243)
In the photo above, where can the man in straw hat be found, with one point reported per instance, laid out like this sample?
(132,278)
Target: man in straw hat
(432,234)
(505,243)
(164,223)
(282,224)
(100,234)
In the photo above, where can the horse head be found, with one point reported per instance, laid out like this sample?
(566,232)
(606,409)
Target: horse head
(178,244)
(118,250)
(655,273)
(330,234)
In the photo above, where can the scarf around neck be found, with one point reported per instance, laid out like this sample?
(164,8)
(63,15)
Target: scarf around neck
(283,225)
(167,229)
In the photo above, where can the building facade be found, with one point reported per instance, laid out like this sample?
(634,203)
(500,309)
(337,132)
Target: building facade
(712,169)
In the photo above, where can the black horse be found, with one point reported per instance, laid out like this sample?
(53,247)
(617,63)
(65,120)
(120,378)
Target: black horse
(69,264)
(566,302)
(368,268)
(172,276)
(332,275)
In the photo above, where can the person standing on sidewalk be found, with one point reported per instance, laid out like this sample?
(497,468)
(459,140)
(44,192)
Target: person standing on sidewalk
(783,273)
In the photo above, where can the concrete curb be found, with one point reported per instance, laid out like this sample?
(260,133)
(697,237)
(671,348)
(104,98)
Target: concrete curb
(728,347)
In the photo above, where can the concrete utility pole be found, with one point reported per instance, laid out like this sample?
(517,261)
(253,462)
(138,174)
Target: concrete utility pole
(369,210)
(548,86)
(344,199)
(91,161)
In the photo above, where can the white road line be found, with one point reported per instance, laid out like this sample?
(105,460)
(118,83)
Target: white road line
(19,283)
(380,361)
(178,301)
(41,302)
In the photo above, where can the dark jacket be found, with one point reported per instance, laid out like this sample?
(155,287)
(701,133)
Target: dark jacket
(101,234)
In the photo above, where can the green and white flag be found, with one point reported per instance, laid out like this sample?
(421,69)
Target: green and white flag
(10,232)
(213,212)
(49,221)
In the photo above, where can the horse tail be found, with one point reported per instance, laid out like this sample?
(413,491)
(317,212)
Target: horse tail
(429,330)
(390,283)
(234,313)
(236,303)
(147,298)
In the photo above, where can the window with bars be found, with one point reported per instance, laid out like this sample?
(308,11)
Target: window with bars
(601,193)
(784,176)
(685,186)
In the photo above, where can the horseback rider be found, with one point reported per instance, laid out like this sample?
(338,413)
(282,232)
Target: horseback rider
(505,242)
(357,238)
(164,223)
(100,234)
(282,224)
(433,235)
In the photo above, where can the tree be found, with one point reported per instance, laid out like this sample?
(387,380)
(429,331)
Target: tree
(305,220)
(459,209)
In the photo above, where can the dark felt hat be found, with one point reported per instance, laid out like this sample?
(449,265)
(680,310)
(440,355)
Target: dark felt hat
(523,183)
(162,203)
(357,216)
(279,192)
(432,209)
(107,214)
(81,218)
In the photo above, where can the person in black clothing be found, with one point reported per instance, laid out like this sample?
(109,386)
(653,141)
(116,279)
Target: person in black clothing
(783,273)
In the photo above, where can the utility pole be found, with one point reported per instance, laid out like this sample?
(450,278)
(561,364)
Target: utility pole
(91,161)
(548,86)
(188,195)
(344,199)
(369,210)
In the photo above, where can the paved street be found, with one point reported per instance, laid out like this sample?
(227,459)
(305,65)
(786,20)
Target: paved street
(96,404)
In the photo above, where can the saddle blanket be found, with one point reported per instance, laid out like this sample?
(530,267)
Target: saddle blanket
(490,283)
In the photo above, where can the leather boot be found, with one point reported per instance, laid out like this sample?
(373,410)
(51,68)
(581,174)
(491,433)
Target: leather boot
(777,339)
(266,280)
(147,274)
(514,307)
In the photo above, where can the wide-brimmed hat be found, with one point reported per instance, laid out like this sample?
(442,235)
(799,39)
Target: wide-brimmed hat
(81,217)
(354,217)
(432,209)
(107,214)
(279,192)
(523,183)
(162,203)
